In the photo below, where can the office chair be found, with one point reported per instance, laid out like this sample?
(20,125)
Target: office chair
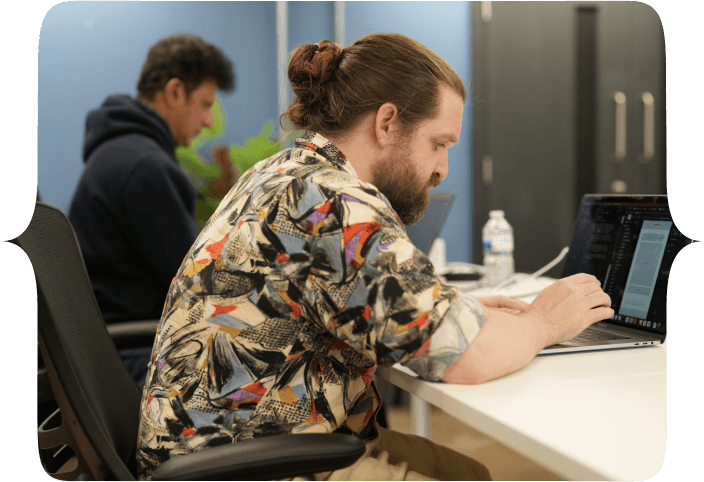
(98,401)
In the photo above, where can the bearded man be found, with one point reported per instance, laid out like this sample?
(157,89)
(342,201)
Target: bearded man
(304,279)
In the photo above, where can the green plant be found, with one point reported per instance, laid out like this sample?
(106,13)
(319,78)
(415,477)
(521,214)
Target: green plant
(209,174)
(255,149)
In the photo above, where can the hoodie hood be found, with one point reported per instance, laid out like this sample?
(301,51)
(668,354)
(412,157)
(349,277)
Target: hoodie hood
(121,115)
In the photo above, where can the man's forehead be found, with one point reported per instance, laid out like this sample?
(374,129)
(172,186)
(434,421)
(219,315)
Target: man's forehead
(445,128)
(441,129)
(207,88)
(449,119)
(446,124)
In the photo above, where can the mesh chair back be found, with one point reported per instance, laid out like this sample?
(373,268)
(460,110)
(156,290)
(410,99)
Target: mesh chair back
(96,384)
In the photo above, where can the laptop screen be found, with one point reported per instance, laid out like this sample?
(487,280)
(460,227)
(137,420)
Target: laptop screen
(629,243)
(423,233)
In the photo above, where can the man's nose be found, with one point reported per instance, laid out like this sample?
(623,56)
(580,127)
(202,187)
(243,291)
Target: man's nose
(209,120)
(443,166)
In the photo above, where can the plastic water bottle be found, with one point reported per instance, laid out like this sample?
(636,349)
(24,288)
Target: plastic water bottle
(497,240)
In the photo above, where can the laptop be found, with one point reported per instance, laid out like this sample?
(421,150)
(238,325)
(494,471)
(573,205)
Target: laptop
(629,243)
(423,233)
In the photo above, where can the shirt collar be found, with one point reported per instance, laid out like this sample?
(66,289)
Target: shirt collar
(317,143)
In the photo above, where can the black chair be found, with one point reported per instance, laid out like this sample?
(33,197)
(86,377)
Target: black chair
(98,415)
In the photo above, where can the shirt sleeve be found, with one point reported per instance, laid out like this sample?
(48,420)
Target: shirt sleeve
(370,287)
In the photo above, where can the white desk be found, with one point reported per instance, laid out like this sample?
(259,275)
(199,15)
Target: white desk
(583,416)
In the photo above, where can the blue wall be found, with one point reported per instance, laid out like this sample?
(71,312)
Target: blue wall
(89,50)
(309,22)
(445,27)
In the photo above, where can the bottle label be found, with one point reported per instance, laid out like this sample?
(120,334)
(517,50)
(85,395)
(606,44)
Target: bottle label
(498,243)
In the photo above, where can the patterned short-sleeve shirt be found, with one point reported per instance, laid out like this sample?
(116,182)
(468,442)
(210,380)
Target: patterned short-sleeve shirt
(299,285)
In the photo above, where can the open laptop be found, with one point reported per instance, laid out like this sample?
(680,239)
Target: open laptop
(423,233)
(629,243)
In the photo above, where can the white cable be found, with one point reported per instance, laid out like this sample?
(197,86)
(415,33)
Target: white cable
(542,270)
(552,263)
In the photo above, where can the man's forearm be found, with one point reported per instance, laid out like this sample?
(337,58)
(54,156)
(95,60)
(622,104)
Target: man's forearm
(506,343)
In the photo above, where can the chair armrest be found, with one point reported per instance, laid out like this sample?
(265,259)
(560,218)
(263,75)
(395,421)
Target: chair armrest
(127,334)
(272,457)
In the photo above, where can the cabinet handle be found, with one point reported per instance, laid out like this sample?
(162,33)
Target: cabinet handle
(620,151)
(487,170)
(486,11)
(648,128)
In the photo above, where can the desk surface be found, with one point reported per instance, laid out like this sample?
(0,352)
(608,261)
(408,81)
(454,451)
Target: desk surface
(589,416)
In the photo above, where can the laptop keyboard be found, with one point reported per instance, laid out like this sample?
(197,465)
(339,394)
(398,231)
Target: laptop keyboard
(592,335)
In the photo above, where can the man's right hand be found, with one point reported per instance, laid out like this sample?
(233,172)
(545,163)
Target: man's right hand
(568,306)
(508,342)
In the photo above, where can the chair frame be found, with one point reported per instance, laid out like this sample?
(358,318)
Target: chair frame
(95,453)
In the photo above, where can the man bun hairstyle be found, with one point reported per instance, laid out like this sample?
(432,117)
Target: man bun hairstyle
(187,57)
(335,87)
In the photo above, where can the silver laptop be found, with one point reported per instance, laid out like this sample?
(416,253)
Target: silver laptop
(629,243)
(423,233)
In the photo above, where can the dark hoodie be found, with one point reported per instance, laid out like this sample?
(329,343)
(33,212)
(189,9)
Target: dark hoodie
(133,209)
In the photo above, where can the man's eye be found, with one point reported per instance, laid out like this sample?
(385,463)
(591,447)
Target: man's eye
(439,144)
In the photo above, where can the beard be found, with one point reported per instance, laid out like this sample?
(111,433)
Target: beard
(396,179)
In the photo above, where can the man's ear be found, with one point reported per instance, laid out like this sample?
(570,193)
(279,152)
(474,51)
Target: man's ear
(174,92)
(387,124)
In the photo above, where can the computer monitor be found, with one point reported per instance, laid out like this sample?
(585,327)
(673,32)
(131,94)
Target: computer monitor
(423,233)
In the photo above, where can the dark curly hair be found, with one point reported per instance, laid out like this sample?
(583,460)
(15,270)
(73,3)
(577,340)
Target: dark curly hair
(189,58)
(335,87)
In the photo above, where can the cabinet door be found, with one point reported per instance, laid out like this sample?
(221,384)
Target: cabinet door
(631,65)
(523,107)
(544,79)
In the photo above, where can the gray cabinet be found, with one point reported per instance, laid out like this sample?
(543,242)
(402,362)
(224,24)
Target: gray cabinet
(549,124)
(630,49)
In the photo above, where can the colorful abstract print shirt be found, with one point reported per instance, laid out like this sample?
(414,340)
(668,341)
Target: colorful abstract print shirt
(299,285)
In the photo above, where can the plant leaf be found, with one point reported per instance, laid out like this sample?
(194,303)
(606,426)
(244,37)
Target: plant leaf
(189,159)
(255,149)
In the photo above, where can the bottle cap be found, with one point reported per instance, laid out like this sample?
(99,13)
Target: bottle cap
(496,214)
